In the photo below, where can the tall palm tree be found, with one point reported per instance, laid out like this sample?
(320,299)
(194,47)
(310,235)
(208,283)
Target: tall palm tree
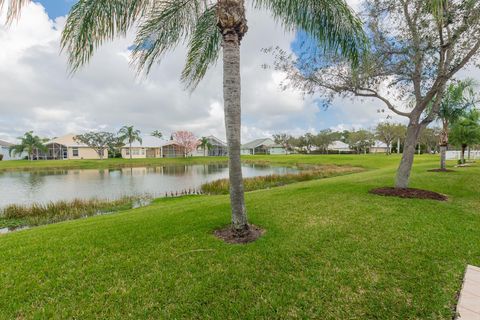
(205,145)
(130,134)
(208,27)
(29,143)
(457,98)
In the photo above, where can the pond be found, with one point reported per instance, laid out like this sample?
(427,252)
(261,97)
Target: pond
(26,187)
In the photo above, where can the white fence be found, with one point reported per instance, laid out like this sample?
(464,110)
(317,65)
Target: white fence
(455,155)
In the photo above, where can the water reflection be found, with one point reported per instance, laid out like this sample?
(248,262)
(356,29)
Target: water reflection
(53,185)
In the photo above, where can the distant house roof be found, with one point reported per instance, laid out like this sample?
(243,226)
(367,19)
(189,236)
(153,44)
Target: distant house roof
(259,142)
(216,142)
(379,144)
(338,145)
(151,142)
(67,141)
(5,143)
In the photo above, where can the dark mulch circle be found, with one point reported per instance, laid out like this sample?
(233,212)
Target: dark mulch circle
(228,235)
(441,170)
(409,193)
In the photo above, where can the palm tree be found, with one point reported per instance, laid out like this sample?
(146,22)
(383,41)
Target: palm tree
(29,143)
(453,106)
(131,135)
(207,26)
(205,145)
(466,131)
(157,134)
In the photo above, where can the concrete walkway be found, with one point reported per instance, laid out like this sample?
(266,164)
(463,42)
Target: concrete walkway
(468,307)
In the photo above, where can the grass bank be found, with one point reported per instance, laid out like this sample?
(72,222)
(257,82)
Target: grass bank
(222,186)
(17,165)
(331,251)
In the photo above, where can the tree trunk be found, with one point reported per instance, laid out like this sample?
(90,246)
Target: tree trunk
(232,24)
(405,168)
(130,151)
(462,157)
(398,146)
(443,157)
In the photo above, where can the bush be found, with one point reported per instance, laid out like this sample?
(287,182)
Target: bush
(1,157)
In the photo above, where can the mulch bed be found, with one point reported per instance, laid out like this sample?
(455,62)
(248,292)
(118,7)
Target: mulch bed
(228,235)
(409,193)
(441,170)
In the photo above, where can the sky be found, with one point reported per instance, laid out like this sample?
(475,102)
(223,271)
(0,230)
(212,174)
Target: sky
(37,92)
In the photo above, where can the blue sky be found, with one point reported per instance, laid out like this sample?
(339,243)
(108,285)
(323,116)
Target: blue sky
(57,8)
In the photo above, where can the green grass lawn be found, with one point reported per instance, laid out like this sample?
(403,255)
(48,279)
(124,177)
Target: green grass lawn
(331,251)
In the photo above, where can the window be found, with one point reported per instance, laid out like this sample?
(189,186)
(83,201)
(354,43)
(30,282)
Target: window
(75,152)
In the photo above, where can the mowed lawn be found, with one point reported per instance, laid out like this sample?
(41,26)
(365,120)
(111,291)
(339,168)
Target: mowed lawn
(331,251)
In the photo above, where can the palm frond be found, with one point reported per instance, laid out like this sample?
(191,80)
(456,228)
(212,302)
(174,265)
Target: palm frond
(438,8)
(204,48)
(14,9)
(332,23)
(92,22)
(167,24)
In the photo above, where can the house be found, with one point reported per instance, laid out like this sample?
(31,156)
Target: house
(152,147)
(66,147)
(217,148)
(339,147)
(379,147)
(5,151)
(262,146)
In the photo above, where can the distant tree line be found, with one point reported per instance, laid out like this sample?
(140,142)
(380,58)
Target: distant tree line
(391,134)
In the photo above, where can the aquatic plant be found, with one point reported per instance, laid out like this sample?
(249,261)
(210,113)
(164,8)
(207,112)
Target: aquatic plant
(51,212)
(275,180)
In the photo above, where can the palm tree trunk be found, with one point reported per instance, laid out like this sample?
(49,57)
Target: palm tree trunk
(443,157)
(232,24)
(405,168)
(130,151)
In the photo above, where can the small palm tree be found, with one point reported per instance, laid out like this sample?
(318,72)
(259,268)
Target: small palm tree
(29,143)
(157,134)
(130,135)
(208,27)
(466,131)
(205,145)
(458,97)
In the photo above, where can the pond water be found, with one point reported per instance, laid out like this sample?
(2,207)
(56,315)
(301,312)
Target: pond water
(26,187)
